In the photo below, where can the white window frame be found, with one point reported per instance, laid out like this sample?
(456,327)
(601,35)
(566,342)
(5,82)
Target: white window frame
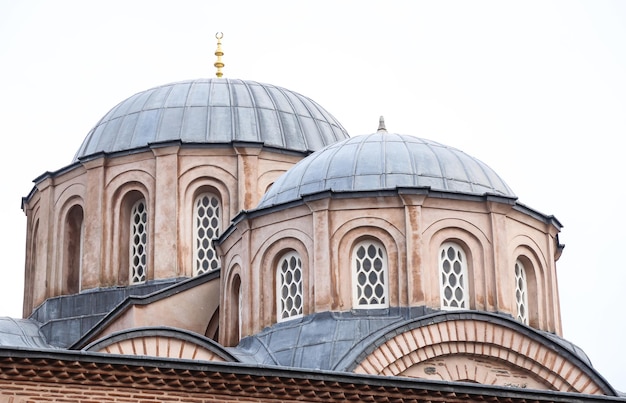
(204,254)
(457,280)
(289,287)
(521,292)
(362,277)
(138,250)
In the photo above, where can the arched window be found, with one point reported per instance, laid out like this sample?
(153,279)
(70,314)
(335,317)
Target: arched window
(30,288)
(206,228)
(72,250)
(138,247)
(370,278)
(289,298)
(521,292)
(454,279)
(239,308)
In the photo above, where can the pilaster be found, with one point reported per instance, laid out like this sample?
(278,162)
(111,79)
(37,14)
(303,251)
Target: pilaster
(94,273)
(499,278)
(165,249)
(43,258)
(413,279)
(247,174)
(321,274)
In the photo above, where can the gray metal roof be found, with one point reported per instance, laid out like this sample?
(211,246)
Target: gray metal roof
(21,333)
(67,318)
(337,341)
(386,161)
(214,111)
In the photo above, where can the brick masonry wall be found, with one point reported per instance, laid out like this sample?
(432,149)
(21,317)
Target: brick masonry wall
(34,392)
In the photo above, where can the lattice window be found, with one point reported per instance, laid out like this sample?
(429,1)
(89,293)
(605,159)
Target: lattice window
(206,228)
(453,269)
(369,261)
(138,242)
(521,292)
(289,286)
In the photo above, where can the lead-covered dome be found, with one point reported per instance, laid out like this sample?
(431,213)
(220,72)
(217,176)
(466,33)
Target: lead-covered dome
(386,161)
(214,111)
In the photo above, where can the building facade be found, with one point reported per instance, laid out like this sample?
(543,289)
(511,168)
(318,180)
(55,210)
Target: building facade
(227,240)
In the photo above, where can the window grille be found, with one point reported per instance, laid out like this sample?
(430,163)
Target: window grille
(138,242)
(369,260)
(521,292)
(453,269)
(206,228)
(289,287)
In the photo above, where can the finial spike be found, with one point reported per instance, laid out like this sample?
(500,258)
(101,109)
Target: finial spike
(219,53)
(381,125)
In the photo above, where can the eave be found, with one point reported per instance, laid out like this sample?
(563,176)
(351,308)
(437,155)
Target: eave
(246,381)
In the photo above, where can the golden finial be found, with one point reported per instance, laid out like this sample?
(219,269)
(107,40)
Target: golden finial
(219,53)
(381,125)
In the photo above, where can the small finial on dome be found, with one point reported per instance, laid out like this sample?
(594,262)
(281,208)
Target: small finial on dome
(381,125)
(219,53)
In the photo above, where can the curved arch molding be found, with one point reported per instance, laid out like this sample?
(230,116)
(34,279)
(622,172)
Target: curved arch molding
(162,342)
(474,347)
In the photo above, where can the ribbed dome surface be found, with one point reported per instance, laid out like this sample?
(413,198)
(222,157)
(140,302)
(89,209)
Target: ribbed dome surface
(21,333)
(385,161)
(214,111)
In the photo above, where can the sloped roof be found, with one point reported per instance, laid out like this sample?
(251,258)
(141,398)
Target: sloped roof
(21,333)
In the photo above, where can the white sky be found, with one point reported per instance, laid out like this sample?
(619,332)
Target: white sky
(535,89)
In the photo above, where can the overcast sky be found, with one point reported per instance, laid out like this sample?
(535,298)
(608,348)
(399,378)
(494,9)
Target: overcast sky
(535,89)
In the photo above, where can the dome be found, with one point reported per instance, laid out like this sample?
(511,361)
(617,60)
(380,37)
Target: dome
(21,333)
(214,111)
(386,161)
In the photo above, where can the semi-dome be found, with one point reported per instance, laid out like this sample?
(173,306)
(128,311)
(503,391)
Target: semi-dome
(214,111)
(386,161)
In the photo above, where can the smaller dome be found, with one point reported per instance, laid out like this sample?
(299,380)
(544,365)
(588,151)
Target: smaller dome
(386,161)
(21,333)
(213,111)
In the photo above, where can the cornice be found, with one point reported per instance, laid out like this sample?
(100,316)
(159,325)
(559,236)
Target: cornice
(246,381)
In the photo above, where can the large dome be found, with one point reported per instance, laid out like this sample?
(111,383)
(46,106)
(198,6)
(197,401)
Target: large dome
(386,161)
(214,111)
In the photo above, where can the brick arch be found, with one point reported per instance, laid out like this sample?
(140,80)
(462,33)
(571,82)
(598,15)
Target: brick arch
(443,341)
(162,342)
(541,301)
(121,192)
(69,216)
(230,327)
(342,241)
(265,261)
(220,180)
(221,185)
(481,370)
(267,179)
(477,248)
